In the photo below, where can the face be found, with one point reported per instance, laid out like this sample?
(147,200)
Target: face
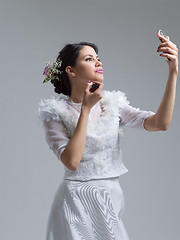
(87,65)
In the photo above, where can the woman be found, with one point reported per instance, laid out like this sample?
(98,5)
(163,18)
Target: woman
(82,128)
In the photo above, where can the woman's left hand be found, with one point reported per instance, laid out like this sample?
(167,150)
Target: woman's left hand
(170,51)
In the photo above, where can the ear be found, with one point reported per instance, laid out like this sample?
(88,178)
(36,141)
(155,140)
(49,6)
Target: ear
(70,72)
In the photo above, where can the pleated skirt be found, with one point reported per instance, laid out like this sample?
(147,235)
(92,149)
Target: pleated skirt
(87,210)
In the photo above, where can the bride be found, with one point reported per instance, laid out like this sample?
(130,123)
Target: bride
(83,125)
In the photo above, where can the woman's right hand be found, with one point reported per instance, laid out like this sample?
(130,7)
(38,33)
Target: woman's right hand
(91,98)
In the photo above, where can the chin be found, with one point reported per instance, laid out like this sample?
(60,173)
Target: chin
(99,80)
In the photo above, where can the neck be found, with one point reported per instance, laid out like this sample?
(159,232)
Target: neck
(77,95)
(77,98)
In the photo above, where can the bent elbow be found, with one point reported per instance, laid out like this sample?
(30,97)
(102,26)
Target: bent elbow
(165,127)
(70,164)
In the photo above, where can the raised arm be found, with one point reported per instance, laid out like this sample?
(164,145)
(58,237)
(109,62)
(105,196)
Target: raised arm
(162,119)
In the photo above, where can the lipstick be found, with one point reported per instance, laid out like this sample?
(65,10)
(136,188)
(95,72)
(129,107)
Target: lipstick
(100,70)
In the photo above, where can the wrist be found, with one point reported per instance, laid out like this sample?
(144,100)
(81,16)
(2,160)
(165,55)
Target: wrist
(173,71)
(85,109)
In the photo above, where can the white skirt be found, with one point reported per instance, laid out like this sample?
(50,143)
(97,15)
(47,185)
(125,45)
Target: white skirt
(87,210)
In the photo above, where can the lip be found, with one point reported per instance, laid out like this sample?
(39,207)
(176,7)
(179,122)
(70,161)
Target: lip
(100,70)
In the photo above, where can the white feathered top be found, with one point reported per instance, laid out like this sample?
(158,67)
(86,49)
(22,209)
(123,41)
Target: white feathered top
(102,154)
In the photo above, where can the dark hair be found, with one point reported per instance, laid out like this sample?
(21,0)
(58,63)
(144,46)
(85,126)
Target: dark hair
(68,56)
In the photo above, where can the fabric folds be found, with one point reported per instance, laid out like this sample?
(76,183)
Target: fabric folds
(87,210)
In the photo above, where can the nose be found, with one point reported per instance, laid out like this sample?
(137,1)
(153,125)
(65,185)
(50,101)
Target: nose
(98,63)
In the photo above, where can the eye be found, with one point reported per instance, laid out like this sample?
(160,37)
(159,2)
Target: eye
(91,59)
(88,58)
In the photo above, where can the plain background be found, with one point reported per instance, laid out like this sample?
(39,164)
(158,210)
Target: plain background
(32,33)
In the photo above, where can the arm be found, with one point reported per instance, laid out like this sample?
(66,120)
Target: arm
(73,152)
(162,119)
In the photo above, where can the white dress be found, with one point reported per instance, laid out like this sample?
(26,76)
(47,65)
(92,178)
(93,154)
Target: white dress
(89,203)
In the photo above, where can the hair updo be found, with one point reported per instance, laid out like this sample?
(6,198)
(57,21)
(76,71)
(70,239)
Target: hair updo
(68,56)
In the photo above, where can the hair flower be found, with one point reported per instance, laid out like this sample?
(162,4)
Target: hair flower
(51,71)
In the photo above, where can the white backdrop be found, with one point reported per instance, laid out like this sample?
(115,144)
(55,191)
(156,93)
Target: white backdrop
(32,33)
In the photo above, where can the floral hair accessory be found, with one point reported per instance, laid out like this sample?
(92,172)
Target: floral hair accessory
(51,71)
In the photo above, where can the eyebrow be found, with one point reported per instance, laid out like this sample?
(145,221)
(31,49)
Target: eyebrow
(90,55)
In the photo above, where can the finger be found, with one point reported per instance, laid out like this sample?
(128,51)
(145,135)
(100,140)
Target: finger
(167,50)
(169,56)
(88,86)
(101,85)
(162,38)
(168,38)
(99,90)
(170,44)
(167,41)
(94,81)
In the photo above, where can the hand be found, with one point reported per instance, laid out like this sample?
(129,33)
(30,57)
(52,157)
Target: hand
(91,98)
(170,51)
